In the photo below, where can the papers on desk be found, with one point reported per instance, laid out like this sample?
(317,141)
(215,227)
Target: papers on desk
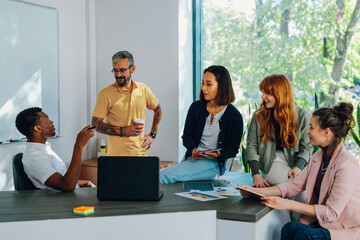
(227,191)
(242,188)
(216,194)
(200,196)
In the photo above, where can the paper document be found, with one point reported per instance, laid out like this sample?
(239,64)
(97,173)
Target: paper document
(200,196)
(226,191)
(245,189)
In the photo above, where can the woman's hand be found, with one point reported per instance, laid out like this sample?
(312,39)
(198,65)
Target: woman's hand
(195,154)
(246,194)
(210,154)
(294,172)
(277,202)
(259,181)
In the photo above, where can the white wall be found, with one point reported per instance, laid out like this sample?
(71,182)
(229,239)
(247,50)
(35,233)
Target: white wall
(150,31)
(159,35)
(73,85)
(185,67)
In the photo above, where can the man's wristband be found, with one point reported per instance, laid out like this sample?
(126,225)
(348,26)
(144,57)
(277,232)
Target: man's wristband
(153,135)
(88,184)
(122,131)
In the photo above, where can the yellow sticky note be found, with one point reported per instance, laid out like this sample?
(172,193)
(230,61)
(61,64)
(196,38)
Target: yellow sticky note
(83,210)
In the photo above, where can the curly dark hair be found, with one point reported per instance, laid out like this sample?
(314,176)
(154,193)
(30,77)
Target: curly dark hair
(26,120)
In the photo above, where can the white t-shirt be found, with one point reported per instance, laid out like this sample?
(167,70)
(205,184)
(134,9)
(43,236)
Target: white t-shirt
(40,162)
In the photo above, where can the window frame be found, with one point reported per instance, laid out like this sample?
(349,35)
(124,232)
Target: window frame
(197,47)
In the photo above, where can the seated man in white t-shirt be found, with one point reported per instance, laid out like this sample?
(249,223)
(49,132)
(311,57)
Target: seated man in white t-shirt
(43,166)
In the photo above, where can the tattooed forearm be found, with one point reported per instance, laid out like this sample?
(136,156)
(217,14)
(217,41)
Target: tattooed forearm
(104,127)
(156,119)
(95,120)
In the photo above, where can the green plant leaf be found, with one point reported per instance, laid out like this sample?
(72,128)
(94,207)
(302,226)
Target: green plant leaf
(355,137)
(358,118)
(315,149)
(231,165)
(243,159)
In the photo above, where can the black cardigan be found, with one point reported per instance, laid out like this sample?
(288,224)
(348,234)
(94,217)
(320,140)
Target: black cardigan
(231,130)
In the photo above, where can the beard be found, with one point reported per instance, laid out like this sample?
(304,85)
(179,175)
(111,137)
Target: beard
(125,81)
(53,131)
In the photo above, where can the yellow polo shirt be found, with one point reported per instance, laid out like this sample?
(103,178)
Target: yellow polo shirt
(120,108)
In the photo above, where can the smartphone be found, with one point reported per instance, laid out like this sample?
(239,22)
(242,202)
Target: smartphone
(91,127)
(210,150)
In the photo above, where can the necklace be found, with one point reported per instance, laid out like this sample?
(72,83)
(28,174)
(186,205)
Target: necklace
(323,170)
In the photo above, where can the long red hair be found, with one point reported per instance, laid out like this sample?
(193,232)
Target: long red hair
(278,86)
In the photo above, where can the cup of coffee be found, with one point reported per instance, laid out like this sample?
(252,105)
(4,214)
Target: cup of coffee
(139,122)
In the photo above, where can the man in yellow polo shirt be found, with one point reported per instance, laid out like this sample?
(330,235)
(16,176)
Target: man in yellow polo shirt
(122,102)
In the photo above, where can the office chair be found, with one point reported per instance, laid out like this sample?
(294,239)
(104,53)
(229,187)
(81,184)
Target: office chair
(21,180)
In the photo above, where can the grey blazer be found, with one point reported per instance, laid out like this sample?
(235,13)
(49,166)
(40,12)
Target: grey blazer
(264,152)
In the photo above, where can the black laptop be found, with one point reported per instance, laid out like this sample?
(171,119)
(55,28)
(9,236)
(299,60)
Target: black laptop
(128,178)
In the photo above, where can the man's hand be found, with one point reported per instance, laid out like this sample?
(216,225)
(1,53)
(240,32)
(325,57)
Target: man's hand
(259,181)
(148,140)
(83,183)
(133,130)
(67,183)
(294,172)
(83,136)
(195,154)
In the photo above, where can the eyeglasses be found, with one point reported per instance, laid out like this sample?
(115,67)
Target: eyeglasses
(120,70)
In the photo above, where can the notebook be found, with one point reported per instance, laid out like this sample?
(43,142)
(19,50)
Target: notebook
(128,178)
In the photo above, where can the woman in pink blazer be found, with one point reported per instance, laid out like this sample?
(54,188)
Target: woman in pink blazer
(331,181)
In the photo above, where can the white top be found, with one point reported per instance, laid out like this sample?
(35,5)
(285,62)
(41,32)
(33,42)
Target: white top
(209,138)
(40,162)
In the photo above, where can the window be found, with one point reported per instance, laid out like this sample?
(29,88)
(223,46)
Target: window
(316,43)
(256,38)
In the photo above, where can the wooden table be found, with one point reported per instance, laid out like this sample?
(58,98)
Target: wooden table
(51,204)
(230,218)
(89,169)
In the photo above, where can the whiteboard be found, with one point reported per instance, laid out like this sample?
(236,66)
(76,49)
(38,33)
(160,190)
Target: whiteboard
(29,63)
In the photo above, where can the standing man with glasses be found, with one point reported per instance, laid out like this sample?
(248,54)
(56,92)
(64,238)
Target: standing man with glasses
(121,103)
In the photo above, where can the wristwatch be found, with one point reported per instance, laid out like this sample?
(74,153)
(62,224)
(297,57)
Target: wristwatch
(88,184)
(122,131)
(153,135)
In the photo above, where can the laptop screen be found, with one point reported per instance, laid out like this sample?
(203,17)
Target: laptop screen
(128,178)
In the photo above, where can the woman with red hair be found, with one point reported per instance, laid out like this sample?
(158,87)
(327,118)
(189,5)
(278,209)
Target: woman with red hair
(278,147)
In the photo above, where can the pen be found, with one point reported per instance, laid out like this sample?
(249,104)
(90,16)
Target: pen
(91,127)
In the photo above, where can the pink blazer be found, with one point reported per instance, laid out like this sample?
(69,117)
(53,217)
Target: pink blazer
(338,208)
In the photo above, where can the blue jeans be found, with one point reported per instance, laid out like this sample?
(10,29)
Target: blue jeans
(190,170)
(297,231)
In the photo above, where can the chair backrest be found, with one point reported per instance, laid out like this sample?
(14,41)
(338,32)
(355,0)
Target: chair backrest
(21,180)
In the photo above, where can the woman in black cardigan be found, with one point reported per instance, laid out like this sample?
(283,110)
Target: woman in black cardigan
(212,132)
